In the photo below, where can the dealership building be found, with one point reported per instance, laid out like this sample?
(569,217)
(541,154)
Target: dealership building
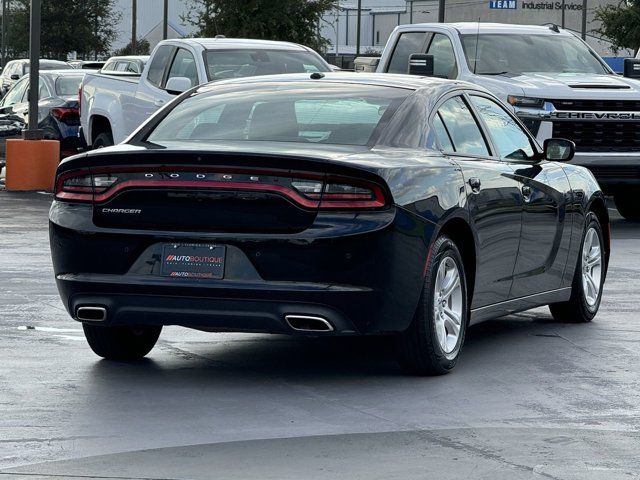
(380,17)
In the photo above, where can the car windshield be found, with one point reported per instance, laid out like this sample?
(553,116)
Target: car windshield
(326,113)
(238,63)
(517,54)
(68,86)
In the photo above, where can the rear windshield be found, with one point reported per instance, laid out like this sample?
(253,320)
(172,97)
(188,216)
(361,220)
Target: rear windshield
(68,86)
(223,64)
(48,65)
(328,113)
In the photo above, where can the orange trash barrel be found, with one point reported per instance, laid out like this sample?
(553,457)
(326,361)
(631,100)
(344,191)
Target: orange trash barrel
(31,164)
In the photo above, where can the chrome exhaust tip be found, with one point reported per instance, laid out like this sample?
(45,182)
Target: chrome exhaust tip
(308,323)
(91,314)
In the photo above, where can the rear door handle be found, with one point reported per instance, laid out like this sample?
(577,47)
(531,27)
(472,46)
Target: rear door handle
(475,184)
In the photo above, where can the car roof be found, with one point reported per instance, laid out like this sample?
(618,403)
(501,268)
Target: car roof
(410,82)
(466,28)
(70,72)
(214,43)
(128,57)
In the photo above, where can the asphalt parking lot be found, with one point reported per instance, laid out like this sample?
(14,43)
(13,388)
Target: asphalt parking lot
(530,398)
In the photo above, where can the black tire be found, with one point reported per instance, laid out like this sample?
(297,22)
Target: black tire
(628,205)
(417,349)
(122,342)
(103,140)
(576,309)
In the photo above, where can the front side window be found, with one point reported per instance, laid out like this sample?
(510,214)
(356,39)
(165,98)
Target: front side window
(184,65)
(332,114)
(444,59)
(158,65)
(464,133)
(408,44)
(223,64)
(509,139)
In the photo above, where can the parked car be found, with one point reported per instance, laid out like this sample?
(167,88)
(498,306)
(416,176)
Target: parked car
(130,64)
(87,64)
(116,106)
(555,82)
(16,69)
(58,113)
(327,204)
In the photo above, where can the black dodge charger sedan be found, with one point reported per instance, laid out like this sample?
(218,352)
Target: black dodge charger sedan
(327,204)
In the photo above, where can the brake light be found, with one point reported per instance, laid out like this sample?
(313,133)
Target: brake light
(81,187)
(80,99)
(338,195)
(67,115)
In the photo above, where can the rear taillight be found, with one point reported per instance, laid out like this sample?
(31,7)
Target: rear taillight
(80,99)
(67,115)
(80,186)
(341,193)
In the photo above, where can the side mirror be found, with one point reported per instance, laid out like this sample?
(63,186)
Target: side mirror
(15,76)
(421,64)
(632,67)
(177,85)
(559,149)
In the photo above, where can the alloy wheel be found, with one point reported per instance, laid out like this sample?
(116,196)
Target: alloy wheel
(591,266)
(447,305)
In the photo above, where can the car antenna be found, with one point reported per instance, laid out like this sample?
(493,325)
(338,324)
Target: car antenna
(475,60)
(317,75)
(554,28)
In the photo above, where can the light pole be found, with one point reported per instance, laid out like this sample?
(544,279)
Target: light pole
(4,35)
(134,21)
(32,132)
(584,19)
(358,27)
(165,20)
(441,11)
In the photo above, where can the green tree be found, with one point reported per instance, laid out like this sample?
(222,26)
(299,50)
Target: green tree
(289,20)
(142,48)
(620,24)
(83,26)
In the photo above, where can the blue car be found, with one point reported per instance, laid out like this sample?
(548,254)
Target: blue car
(59,115)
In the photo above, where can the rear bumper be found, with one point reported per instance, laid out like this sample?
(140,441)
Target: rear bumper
(362,283)
(613,171)
(217,306)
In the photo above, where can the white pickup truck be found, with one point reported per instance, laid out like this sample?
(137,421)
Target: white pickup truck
(111,106)
(557,85)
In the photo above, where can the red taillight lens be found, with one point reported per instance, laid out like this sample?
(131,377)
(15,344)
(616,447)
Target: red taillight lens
(81,186)
(79,99)
(341,194)
(67,115)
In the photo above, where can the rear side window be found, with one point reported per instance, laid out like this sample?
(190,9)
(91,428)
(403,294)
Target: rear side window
(158,65)
(464,132)
(408,43)
(442,134)
(110,66)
